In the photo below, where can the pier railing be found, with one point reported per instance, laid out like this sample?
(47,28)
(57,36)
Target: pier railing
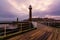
(7,29)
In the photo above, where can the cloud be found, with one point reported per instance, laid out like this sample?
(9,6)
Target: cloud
(19,8)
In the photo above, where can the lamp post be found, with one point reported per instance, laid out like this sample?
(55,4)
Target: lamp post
(5,30)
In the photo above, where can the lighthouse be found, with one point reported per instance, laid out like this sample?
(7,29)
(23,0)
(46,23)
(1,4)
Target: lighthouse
(30,13)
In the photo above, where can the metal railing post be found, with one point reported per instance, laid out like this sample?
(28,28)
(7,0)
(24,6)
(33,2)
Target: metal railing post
(5,31)
(21,26)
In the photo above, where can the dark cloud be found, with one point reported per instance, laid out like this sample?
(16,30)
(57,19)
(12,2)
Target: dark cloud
(39,13)
(6,15)
(54,9)
(56,13)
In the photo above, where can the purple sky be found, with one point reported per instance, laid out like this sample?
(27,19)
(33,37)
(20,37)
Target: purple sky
(11,9)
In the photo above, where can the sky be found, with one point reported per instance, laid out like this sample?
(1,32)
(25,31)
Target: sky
(11,9)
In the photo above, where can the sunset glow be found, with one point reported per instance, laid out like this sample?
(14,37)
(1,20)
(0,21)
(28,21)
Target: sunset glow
(42,5)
